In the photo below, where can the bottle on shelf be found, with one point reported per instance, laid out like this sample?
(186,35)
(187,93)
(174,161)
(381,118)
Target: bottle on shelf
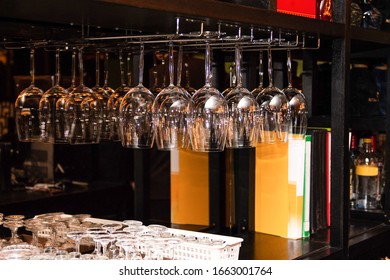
(356,13)
(379,153)
(325,11)
(372,17)
(368,181)
(353,156)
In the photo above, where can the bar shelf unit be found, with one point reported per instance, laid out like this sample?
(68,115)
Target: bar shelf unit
(148,17)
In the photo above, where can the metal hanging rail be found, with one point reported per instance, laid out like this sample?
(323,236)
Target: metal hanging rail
(257,39)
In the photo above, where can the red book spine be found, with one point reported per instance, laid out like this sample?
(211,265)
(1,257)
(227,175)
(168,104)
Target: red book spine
(328,176)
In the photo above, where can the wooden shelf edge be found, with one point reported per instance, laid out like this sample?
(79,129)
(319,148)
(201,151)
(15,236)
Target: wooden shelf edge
(233,13)
(327,252)
(370,35)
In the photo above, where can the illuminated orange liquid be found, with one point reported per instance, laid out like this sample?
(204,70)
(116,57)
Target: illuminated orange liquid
(278,209)
(190,188)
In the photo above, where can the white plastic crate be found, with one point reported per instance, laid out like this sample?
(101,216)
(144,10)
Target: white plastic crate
(217,247)
(203,246)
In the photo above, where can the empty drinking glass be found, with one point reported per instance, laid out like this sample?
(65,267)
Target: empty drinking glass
(62,125)
(135,114)
(103,93)
(274,110)
(298,105)
(33,225)
(94,233)
(208,127)
(27,109)
(133,223)
(171,110)
(84,112)
(48,109)
(14,222)
(115,101)
(243,113)
(76,236)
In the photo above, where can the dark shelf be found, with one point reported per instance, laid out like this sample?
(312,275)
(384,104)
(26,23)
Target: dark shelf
(369,240)
(157,15)
(370,215)
(233,13)
(319,121)
(259,246)
(370,35)
(373,123)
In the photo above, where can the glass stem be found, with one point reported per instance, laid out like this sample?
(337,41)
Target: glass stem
(97,62)
(77,241)
(163,72)
(129,72)
(238,66)
(121,68)
(104,249)
(270,69)
(34,237)
(179,66)
(74,68)
(207,65)
(289,76)
(187,72)
(171,65)
(32,66)
(106,70)
(230,76)
(261,69)
(58,74)
(141,65)
(81,67)
(14,233)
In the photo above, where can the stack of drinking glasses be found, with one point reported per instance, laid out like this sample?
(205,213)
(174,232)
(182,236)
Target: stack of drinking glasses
(60,236)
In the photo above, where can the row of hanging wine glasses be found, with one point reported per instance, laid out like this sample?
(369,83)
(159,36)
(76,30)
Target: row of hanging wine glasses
(206,121)
(74,115)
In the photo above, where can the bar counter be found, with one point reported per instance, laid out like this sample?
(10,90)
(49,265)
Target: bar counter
(369,239)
